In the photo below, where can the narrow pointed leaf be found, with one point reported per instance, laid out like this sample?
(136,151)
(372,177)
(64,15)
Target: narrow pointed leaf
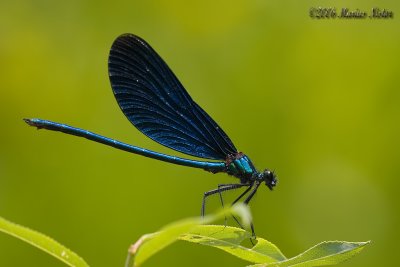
(229,239)
(169,234)
(42,242)
(324,253)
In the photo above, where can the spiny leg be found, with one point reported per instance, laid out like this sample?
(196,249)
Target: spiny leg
(221,188)
(244,193)
(252,193)
(222,200)
(237,199)
(246,201)
(226,187)
(212,192)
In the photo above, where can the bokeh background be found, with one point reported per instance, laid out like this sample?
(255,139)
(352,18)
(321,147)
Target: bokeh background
(316,100)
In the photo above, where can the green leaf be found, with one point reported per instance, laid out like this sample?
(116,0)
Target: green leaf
(42,242)
(149,245)
(229,239)
(324,253)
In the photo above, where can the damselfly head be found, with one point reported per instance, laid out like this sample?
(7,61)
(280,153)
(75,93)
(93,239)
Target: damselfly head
(269,178)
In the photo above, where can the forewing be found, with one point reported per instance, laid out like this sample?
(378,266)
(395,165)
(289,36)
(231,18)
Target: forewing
(156,103)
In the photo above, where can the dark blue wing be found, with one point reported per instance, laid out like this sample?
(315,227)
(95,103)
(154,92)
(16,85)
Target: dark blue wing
(154,101)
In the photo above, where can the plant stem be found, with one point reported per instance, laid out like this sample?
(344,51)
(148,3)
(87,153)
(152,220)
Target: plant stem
(130,259)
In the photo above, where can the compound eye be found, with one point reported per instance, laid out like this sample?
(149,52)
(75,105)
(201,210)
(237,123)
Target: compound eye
(267,173)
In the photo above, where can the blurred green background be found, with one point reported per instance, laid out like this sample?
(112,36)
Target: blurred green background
(316,100)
